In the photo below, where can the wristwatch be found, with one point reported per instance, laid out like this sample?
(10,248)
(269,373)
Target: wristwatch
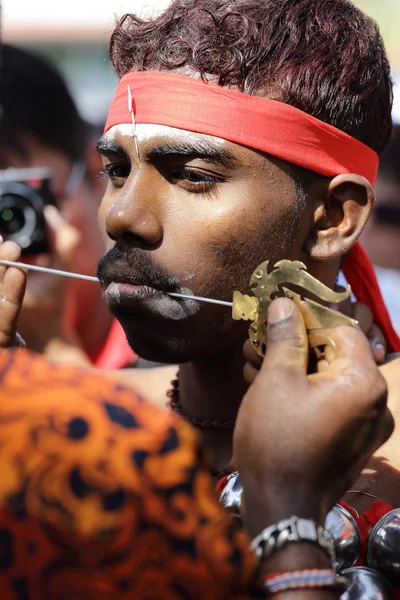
(278,536)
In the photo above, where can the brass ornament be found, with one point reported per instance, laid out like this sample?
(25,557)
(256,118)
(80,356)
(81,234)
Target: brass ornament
(265,286)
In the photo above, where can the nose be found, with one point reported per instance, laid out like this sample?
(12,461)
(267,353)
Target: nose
(135,217)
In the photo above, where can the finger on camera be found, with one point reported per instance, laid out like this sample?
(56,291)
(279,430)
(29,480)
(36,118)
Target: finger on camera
(13,285)
(9,251)
(8,323)
(63,237)
(12,294)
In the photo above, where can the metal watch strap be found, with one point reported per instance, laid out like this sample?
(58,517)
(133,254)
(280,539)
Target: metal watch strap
(278,536)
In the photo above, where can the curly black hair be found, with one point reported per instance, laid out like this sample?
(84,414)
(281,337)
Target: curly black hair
(325,57)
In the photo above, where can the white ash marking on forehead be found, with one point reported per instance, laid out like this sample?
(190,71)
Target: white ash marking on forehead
(144,132)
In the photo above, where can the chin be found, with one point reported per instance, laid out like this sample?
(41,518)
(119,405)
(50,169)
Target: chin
(177,342)
(169,351)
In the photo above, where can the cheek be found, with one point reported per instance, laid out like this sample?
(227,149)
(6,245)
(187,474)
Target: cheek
(217,251)
(237,240)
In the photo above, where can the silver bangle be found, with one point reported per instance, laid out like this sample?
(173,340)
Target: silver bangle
(278,536)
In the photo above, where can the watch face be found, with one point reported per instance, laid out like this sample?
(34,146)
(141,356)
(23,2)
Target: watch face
(307,530)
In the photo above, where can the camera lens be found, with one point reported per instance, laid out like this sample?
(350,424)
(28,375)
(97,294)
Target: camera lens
(19,218)
(12,220)
(23,195)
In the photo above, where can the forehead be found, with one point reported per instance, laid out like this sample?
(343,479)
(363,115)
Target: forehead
(162,140)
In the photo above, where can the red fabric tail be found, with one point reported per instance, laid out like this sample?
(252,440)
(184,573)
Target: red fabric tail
(360,274)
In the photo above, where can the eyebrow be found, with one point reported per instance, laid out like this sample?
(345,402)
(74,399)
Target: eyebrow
(202,149)
(106,146)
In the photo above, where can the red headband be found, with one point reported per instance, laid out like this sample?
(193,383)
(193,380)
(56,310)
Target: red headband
(272,127)
(259,123)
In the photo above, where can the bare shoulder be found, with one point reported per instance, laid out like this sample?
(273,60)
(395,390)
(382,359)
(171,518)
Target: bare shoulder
(151,384)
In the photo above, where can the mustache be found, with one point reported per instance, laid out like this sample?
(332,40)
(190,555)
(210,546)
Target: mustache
(135,266)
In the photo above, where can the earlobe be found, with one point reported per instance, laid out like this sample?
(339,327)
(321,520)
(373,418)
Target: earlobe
(340,215)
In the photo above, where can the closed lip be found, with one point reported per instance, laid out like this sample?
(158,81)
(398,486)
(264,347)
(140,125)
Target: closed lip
(112,276)
(118,291)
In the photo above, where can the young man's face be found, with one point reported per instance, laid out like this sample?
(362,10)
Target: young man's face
(195,214)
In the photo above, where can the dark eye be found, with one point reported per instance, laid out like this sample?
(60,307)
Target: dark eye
(198,176)
(197,181)
(116,173)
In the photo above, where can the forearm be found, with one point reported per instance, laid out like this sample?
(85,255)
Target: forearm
(264,506)
(263,510)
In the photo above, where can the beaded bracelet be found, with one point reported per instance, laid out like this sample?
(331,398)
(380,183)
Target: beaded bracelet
(306,579)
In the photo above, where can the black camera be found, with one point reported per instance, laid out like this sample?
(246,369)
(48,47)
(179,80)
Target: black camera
(23,195)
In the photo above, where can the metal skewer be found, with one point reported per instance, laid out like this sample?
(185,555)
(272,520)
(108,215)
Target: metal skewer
(201,299)
(20,265)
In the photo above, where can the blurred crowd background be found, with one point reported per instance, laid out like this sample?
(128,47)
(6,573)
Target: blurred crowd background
(74,36)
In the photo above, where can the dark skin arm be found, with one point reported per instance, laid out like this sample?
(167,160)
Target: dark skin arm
(297,450)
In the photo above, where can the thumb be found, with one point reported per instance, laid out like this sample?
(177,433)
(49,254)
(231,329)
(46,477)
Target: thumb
(287,342)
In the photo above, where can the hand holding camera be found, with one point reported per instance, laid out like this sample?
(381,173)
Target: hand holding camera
(24,194)
(32,225)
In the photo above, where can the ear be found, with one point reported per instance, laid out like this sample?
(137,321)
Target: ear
(340,214)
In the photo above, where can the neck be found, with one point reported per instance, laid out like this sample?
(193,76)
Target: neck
(212,389)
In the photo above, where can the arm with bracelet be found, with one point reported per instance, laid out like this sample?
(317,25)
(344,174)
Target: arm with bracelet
(300,441)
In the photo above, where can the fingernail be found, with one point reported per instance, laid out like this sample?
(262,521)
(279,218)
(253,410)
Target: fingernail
(1,239)
(379,352)
(280,309)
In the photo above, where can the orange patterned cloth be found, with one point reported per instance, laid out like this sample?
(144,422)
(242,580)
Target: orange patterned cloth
(105,497)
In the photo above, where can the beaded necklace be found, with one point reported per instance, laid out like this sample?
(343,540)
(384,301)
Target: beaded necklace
(174,405)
